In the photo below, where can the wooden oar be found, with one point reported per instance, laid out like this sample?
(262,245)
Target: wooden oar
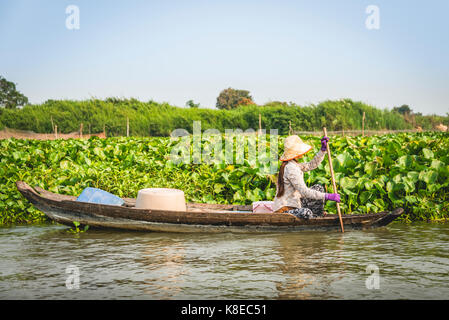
(333,180)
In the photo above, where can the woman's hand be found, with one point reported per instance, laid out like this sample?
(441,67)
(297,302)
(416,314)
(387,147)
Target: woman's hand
(324,141)
(332,197)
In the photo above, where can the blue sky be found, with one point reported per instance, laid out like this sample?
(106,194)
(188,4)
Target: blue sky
(174,51)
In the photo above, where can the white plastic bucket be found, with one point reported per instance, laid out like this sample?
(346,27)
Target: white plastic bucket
(161,199)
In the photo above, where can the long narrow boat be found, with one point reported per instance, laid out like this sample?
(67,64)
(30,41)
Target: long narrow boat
(199,217)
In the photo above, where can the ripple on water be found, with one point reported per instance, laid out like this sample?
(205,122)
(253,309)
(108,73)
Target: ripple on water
(413,262)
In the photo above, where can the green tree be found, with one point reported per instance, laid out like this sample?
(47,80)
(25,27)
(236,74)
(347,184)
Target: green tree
(192,104)
(232,98)
(10,98)
(404,109)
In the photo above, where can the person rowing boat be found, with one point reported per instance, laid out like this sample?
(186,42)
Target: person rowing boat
(199,217)
(292,194)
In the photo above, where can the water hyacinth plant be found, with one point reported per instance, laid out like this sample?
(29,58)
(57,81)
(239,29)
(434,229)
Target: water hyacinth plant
(76,228)
(373,174)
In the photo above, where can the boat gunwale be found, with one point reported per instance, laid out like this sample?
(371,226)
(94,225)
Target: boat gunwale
(204,217)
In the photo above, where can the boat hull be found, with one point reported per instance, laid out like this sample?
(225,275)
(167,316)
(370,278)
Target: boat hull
(201,218)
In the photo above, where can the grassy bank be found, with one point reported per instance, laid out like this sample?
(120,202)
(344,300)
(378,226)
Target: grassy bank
(373,173)
(155,119)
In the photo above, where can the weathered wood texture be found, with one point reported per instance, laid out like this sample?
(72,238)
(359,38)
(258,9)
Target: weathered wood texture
(65,209)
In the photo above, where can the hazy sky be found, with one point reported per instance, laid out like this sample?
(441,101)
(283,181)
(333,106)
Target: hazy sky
(174,51)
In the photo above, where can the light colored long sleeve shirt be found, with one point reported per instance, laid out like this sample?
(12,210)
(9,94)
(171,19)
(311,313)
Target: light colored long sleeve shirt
(294,185)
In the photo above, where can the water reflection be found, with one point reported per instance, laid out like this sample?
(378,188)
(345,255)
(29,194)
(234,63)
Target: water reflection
(413,261)
(311,262)
(166,267)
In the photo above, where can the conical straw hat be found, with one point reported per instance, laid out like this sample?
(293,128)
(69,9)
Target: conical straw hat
(294,147)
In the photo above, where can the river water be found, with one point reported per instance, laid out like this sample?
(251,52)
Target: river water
(401,261)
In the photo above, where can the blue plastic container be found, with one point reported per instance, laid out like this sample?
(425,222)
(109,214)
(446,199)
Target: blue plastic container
(94,195)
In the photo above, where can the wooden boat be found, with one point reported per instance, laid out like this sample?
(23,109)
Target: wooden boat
(198,217)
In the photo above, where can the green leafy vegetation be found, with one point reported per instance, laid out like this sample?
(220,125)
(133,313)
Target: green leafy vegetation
(373,173)
(231,98)
(155,119)
(192,104)
(76,228)
(10,97)
(416,119)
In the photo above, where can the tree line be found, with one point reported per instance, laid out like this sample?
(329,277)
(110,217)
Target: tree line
(235,109)
(160,119)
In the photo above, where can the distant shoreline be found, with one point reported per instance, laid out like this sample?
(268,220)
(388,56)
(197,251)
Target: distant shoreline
(160,119)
